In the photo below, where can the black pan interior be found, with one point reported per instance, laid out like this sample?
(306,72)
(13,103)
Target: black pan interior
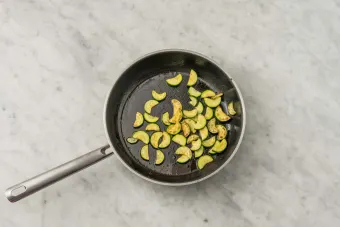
(134,88)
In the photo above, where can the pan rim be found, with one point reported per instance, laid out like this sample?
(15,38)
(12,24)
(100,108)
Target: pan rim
(188,182)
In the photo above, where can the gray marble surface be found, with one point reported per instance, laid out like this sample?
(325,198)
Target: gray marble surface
(59,58)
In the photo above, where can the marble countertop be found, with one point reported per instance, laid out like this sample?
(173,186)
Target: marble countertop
(59,58)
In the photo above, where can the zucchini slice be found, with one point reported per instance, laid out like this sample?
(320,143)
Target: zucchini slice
(132,140)
(199,107)
(158,96)
(208,94)
(166,140)
(177,106)
(165,118)
(204,133)
(191,124)
(209,113)
(218,95)
(212,126)
(203,161)
(231,109)
(142,136)
(192,137)
(152,127)
(193,92)
(199,152)
(222,132)
(186,154)
(209,142)
(211,151)
(175,81)
(185,129)
(192,78)
(212,102)
(139,120)
(144,152)
(183,159)
(149,118)
(190,113)
(220,115)
(159,157)
(193,100)
(220,146)
(196,144)
(155,139)
(174,129)
(149,105)
(180,139)
(201,122)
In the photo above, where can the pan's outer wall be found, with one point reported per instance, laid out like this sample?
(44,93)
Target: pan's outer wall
(141,70)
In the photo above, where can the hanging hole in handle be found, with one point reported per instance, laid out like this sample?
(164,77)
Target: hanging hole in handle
(18,191)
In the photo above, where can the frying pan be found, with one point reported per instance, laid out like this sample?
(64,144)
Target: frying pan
(127,96)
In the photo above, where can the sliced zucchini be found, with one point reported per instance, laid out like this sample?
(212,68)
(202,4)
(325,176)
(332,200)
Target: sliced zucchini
(218,95)
(199,152)
(149,105)
(209,113)
(142,136)
(155,139)
(212,102)
(193,92)
(208,94)
(192,78)
(211,151)
(204,133)
(212,126)
(165,118)
(175,81)
(144,152)
(174,129)
(166,140)
(193,101)
(203,161)
(199,107)
(186,154)
(220,146)
(220,115)
(139,120)
(149,118)
(190,113)
(231,109)
(222,132)
(152,127)
(183,159)
(191,124)
(209,142)
(196,144)
(185,129)
(177,106)
(132,140)
(192,137)
(201,122)
(180,139)
(159,157)
(157,96)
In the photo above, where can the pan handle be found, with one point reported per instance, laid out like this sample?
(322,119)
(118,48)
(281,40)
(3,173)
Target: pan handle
(30,186)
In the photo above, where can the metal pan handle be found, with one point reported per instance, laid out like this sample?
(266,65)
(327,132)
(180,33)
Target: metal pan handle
(30,186)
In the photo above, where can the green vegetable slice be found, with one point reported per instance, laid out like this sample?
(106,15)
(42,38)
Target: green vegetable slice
(155,139)
(183,159)
(220,146)
(186,154)
(201,122)
(166,140)
(203,161)
(192,78)
(212,126)
(149,118)
(158,96)
(131,140)
(190,113)
(199,152)
(231,109)
(177,106)
(159,157)
(222,132)
(193,92)
(144,152)
(180,139)
(185,129)
(209,142)
(149,105)
(139,120)
(192,137)
(193,100)
(218,95)
(209,113)
(220,115)
(199,107)
(191,124)
(204,133)
(175,81)
(211,151)
(152,127)
(212,102)
(174,129)
(207,94)
(196,144)
(142,136)
(165,118)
